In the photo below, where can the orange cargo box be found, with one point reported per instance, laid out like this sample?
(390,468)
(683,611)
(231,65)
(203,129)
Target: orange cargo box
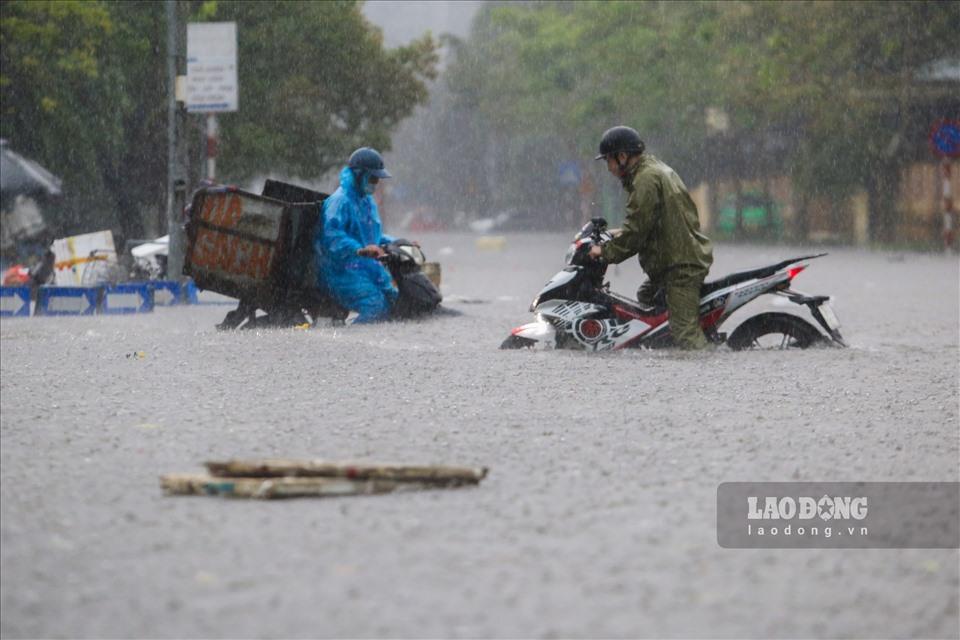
(236,244)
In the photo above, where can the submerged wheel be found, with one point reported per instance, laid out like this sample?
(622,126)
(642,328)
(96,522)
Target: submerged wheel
(517,342)
(774,331)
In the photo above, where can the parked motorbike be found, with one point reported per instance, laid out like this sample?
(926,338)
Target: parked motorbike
(417,294)
(577,310)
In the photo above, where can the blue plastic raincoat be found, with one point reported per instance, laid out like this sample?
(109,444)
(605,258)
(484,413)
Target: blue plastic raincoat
(351,222)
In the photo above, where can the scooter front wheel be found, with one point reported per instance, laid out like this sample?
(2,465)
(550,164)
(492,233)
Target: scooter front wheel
(518,342)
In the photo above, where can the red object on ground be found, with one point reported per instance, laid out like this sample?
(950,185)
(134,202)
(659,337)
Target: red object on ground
(16,275)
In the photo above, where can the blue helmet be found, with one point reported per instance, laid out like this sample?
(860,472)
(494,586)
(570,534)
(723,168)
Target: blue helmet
(370,161)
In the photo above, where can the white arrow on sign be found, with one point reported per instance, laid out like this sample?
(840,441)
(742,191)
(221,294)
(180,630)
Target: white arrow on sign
(12,304)
(123,301)
(68,304)
(162,296)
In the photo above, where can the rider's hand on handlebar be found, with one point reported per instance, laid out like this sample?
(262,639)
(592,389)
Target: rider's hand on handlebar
(596,252)
(371,251)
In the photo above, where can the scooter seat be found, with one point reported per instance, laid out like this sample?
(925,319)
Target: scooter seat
(753,274)
(735,278)
(638,307)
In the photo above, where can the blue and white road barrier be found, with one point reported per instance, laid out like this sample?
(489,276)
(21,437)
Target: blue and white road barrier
(127,298)
(14,302)
(168,293)
(68,301)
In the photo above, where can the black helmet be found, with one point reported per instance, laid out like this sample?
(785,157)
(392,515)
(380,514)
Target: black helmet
(369,160)
(620,139)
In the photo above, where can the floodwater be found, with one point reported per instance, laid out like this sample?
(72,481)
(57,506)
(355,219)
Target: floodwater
(598,517)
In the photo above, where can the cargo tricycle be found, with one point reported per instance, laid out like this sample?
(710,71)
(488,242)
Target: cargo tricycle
(259,249)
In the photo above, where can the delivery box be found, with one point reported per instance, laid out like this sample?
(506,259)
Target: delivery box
(256,248)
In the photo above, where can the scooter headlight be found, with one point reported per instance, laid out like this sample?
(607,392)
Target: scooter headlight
(414,253)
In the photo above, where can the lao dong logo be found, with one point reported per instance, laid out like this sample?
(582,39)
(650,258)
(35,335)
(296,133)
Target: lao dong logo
(838,515)
(806,508)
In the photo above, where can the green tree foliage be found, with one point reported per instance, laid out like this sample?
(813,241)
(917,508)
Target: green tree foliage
(829,82)
(844,74)
(315,83)
(83,91)
(60,95)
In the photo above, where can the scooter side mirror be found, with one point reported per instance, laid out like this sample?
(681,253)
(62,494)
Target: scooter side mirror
(592,229)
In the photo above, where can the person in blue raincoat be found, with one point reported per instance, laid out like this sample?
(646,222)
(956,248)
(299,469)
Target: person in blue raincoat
(348,244)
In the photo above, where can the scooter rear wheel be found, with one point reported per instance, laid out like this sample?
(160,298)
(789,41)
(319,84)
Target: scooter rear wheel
(774,331)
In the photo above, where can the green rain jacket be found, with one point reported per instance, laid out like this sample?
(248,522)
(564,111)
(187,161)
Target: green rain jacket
(662,225)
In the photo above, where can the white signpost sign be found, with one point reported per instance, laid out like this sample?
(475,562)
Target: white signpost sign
(211,67)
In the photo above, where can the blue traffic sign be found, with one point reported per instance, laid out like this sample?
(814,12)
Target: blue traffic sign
(945,138)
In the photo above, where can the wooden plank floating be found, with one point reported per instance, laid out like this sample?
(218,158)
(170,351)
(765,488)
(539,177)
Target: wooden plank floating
(276,468)
(272,488)
(280,478)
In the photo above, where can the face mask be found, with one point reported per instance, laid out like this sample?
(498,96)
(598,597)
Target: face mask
(369,183)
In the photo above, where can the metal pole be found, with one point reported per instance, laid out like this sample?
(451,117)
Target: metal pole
(176,179)
(949,216)
(171,15)
(211,147)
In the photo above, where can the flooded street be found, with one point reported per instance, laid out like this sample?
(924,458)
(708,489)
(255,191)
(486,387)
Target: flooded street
(597,519)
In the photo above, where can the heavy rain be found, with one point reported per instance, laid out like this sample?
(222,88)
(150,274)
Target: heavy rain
(226,230)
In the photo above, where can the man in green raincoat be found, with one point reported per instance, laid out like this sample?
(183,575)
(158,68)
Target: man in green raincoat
(663,229)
